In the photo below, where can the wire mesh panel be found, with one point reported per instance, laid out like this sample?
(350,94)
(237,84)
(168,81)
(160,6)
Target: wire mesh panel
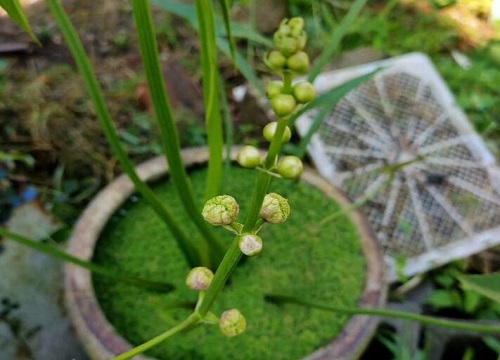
(401,149)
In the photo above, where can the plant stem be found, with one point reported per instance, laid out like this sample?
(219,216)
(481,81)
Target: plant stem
(233,255)
(170,139)
(225,269)
(95,92)
(287,82)
(189,322)
(430,320)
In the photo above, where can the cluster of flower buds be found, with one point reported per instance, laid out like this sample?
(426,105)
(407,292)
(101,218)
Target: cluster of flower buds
(223,210)
(289,58)
(289,40)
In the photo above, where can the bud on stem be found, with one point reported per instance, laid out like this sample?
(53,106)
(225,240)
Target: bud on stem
(275,209)
(250,244)
(199,278)
(232,323)
(221,210)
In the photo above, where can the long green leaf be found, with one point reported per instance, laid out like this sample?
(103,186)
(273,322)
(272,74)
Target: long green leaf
(436,321)
(336,37)
(210,245)
(226,6)
(59,254)
(487,285)
(326,102)
(16,13)
(95,92)
(213,118)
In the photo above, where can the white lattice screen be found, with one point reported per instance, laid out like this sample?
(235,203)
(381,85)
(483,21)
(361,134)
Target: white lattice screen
(399,144)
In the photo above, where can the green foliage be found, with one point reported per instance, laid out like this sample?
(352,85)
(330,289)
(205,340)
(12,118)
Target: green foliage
(472,296)
(398,347)
(96,94)
(487,285)
(476,90)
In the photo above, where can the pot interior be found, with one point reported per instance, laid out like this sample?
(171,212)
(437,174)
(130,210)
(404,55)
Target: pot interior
(317,261)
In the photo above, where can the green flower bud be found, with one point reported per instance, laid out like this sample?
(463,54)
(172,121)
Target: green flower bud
(283,29)
(302,40)
(283,104)
(275,209)
(250,244)
(287,45)
(296,26)
(248,156)
(232,323)
(298,63)
(290,167)
(275,60)
(304,92)
(274,88)
(270,130)
(221,210)
(199,278)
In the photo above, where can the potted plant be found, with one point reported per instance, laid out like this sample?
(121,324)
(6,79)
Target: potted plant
(308,259)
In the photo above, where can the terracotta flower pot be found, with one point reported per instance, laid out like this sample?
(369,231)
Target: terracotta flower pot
(98,336)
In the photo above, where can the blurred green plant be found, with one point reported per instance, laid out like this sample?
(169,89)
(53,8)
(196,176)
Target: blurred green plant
(474,297)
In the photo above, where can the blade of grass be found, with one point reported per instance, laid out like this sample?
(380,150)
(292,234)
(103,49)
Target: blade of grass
(430,320)
(210,245)
(213,119)
(97,97)
(225,6)
(336,37)
(59,254)
(485,284)
(16,13)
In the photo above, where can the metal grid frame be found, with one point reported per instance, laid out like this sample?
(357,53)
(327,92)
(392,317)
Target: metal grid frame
(400,146)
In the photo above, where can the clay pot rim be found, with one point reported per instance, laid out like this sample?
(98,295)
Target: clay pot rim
(99,337)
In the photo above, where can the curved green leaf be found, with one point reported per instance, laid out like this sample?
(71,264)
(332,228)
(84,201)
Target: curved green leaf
(16,13)
(487,285)
(59,254)
(225,6)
